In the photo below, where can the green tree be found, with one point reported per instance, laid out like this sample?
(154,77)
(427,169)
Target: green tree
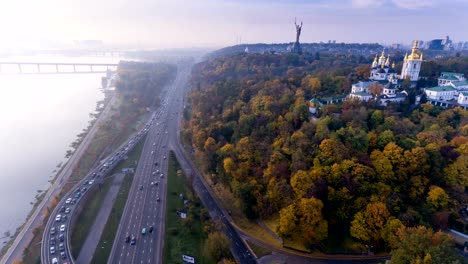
(383,166)
(390,230)
(216,246)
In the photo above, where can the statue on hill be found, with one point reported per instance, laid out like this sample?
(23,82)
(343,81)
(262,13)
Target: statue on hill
(296,48)
(298,30)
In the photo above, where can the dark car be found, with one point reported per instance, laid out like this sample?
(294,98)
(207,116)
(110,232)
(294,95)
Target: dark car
(127,239)
(62,209)
(62,237)
(150,229)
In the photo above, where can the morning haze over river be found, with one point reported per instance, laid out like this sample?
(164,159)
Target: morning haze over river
(41,115)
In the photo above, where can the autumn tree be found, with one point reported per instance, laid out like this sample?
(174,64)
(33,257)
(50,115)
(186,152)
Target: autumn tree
(288,221)
(421,245)
(300,182)
(312,225)
(375,89)
(312,83)
(368,224)
(390,231)
(437,198)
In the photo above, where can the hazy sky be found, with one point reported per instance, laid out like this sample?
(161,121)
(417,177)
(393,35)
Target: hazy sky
(215,23)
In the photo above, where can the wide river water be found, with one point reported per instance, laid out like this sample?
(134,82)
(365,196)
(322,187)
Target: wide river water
(40,115)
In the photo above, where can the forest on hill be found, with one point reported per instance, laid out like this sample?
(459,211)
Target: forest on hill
(357,171)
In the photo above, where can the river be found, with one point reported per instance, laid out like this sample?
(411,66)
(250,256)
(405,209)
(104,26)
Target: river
(40,116)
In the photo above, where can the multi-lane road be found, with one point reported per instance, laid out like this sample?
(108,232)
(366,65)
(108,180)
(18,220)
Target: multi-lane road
(145,207)
(55,247)
(140,235)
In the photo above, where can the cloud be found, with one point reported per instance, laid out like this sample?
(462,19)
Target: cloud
(414,4)
(402,4)
(367,3)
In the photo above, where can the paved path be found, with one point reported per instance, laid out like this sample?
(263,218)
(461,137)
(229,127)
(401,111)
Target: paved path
(26,234)
(92,240)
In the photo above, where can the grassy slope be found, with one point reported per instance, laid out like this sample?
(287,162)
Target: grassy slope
(179,239)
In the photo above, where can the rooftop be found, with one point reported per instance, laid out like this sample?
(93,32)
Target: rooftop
(460,83)
(441,89)
(361,94)
(451,75)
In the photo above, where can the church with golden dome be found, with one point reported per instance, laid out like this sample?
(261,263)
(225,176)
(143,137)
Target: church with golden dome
(412,63)
(381,70)
(383,73)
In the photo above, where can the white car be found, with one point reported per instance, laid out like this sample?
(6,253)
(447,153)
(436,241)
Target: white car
(68,201)
(62,228)
(58,218)
(54,261)
(52,250)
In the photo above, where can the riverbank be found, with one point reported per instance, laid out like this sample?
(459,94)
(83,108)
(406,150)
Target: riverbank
(28,233)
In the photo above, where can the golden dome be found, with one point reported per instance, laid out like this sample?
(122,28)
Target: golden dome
(416,54)
(383,54)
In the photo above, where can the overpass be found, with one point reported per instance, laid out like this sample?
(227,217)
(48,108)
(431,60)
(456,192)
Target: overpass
(17,67)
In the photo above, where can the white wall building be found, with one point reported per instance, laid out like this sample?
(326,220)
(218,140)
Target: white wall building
(362,86)
(381,70)
(441,93)
(447,78)
(462,98)
(412,63)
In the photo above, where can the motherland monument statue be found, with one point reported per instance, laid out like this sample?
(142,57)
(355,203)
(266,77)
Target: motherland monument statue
(297,46)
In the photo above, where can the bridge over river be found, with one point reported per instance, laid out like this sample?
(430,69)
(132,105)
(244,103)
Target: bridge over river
(16,67)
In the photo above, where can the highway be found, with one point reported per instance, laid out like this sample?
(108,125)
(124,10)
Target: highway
(55,247)
(143,210)
(145,207)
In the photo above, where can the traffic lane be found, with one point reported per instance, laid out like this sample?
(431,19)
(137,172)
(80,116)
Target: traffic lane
(146,252)
(145,248)
(148,166)
(163,122)
(135,199)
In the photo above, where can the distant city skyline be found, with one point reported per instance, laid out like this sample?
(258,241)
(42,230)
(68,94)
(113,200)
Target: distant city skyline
(211,23)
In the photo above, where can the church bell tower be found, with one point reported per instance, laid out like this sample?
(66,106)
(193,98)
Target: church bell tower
(412,63)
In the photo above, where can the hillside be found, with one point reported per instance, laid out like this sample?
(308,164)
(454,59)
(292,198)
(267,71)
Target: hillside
(357,171)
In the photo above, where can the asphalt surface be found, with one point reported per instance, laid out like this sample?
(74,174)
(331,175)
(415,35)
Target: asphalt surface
(145,207)
(55,247)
